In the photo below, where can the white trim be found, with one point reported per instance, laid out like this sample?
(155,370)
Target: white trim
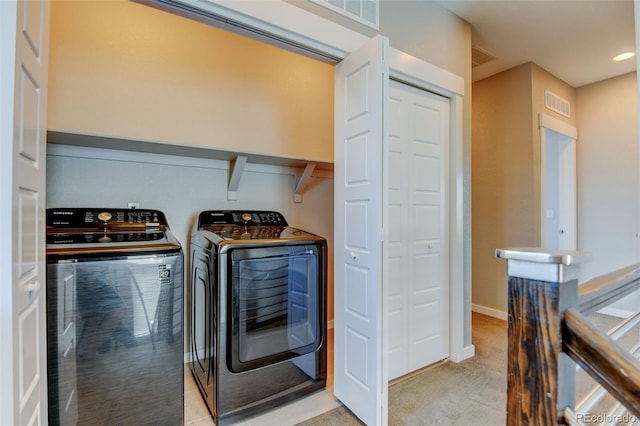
(548,122)
(8,40)
(489,312)
(456,230)
(469,351)
(424,75)
(288,22)
(347,14)
(556,125)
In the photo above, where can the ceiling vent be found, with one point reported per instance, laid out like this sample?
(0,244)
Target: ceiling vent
(557,104)
(480,56)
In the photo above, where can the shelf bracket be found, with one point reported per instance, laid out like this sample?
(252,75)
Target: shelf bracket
(236,168)
(302,182)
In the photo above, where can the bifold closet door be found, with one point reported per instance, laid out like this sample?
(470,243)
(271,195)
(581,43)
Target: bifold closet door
(418,257)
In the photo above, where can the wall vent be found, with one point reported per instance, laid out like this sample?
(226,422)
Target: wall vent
(480,56)
(557,104)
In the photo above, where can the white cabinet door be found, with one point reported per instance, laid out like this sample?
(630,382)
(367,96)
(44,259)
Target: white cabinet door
(24,33)
(360,379)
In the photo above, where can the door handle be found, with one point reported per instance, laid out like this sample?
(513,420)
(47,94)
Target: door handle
(31,287)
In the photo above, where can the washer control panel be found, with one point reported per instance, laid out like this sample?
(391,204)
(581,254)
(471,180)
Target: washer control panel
(80,218)
(241,218)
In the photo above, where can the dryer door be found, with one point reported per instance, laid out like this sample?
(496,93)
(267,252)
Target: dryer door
(275,304)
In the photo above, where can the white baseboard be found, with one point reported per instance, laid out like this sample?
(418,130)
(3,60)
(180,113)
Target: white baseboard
(489,312)
(468,352)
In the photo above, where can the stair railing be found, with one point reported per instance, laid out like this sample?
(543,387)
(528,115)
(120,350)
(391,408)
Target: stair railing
(549,333)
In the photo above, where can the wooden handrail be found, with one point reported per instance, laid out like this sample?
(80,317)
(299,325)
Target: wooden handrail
(602,291)
(548,331)
(603,358)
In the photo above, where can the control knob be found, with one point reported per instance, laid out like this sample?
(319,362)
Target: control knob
(104,218)
(246,218)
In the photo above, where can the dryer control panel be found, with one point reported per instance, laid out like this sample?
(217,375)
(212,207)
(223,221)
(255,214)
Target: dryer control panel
(91,218)
(241,218)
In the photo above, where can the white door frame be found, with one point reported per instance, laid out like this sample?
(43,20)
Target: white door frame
(568,178)
(304,28)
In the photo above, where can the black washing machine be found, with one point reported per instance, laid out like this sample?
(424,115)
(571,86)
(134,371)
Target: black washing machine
(258,311)
(114,317)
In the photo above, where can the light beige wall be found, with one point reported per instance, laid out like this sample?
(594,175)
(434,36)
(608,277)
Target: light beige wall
(429,32)
(506,172)
(502,179)
(608,211)
(122,69)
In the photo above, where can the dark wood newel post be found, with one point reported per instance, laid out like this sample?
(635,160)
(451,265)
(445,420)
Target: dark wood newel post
(542,284)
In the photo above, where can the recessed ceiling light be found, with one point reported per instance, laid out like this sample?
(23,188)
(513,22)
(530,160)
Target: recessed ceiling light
(624,56)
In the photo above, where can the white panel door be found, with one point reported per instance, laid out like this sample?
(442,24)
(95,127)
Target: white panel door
(397,240)
(24,32)
(418,254)
(559,228)
(360,379)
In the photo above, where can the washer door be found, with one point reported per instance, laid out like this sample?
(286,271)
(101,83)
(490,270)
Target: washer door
(275,305)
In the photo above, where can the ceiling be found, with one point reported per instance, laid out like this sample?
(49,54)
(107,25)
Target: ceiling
(572,39)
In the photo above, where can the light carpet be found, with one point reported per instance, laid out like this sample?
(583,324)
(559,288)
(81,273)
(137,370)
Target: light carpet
(472,392)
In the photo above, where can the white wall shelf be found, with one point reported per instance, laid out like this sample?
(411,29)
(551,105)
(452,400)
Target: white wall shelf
(237,160)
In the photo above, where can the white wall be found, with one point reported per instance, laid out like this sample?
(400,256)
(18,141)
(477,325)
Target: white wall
(608,190)
(181,187)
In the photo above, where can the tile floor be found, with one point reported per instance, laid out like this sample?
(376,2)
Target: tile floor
(196,413)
